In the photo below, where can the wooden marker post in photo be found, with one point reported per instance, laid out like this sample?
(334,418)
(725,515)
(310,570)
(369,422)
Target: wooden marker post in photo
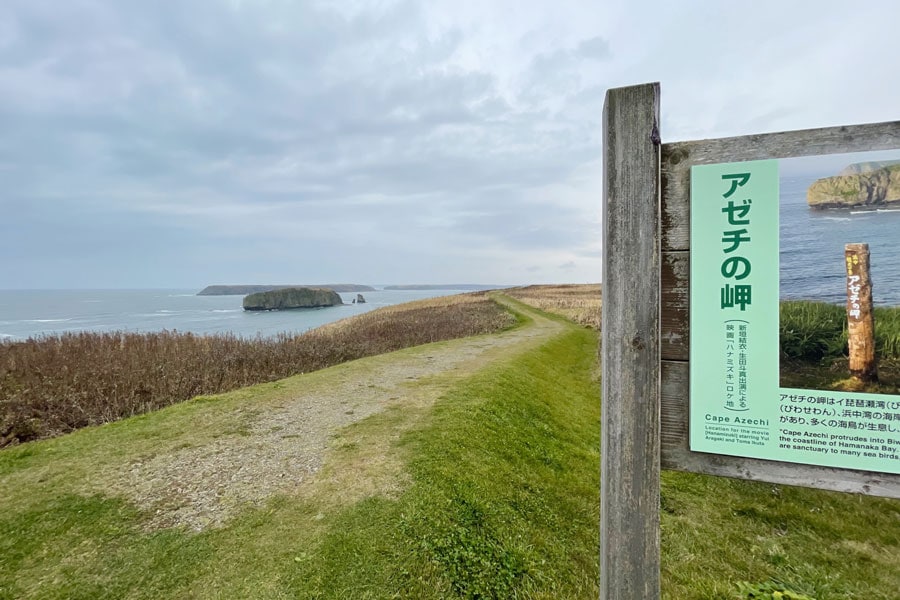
(860,320)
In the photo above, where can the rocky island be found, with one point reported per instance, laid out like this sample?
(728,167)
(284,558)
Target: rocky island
(290,298)
(861,185)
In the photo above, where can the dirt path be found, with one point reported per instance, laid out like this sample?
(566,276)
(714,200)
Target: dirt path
(286,440)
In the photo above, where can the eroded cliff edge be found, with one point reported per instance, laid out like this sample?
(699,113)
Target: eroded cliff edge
(864,185)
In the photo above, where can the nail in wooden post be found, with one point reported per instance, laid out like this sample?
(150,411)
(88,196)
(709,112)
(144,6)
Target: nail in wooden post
(630,442)
(860,319)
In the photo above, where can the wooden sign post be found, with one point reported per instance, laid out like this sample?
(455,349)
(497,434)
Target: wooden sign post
(629,455)
(646,341)
(860,319)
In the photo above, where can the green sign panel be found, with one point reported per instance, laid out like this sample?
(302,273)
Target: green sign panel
(737,406)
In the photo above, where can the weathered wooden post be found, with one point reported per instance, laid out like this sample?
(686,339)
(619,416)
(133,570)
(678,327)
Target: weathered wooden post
(860,319)
(630,442)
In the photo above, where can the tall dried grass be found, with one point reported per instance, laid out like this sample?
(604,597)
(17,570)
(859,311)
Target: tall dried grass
(55,384)
(579,302)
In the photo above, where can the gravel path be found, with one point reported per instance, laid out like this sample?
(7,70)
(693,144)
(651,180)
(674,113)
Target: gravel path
(285,443)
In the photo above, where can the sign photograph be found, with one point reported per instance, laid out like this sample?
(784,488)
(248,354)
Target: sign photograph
(795,310)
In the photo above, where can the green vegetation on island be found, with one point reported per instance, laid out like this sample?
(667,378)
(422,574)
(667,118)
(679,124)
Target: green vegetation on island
(243,290)
(290,298)
(863,185)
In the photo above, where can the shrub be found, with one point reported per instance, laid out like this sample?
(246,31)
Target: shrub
(51,385)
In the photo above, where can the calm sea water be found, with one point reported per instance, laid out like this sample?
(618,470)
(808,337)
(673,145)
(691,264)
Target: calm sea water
(26,313)
(812,247)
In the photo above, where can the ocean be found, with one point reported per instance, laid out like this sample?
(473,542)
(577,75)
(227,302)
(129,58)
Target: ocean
(29,313)
(811,257)
(812,247)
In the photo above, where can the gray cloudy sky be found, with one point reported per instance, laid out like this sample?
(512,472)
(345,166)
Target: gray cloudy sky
(178,143)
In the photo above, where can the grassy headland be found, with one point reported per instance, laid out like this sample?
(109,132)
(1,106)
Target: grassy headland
(495,495)
(491,491)
(51,385)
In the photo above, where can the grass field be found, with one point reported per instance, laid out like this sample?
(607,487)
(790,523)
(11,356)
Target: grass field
(577,302)
(497,495)
(491,491)
(817,330)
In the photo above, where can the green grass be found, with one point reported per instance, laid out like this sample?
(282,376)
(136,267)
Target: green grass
(817,330)
(501,499)
(813,337)
(718,532)
(504,501)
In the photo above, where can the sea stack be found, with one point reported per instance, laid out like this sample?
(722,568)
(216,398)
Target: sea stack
(360,299)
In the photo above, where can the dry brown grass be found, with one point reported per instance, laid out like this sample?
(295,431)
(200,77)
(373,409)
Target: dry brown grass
(55,384)
(578,302)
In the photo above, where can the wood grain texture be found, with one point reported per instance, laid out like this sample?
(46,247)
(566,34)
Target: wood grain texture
(676,454)
(679,157)
(629,489)
(860,319)
(675,309)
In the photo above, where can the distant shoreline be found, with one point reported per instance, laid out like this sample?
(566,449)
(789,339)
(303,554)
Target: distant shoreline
(474,287)
(892,206)
(243,290)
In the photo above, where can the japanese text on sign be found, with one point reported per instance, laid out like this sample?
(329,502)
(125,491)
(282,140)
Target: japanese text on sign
(853,286)
(735,266)
(736,365)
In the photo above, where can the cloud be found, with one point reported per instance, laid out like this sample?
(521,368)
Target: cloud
(276,119)
(596,48)
(452,140)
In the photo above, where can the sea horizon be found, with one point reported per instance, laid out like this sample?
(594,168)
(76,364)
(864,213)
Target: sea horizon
(33,313)
(377,286)
(811,252)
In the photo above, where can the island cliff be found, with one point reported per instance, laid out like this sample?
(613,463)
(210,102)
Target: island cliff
(863,185)
(288,298)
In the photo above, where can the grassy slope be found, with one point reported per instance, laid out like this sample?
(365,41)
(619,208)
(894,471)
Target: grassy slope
(718,531)
(499,499)
(500,493)
(504,492)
